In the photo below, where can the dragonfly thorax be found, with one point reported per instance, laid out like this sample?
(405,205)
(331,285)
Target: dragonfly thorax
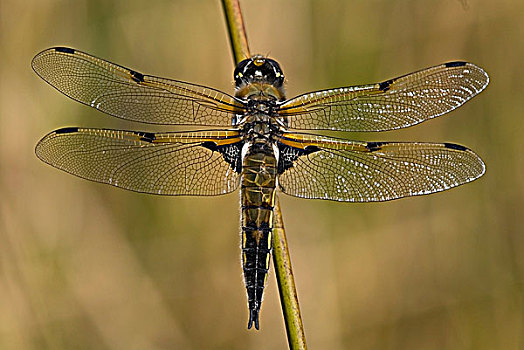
(260,119)
(260,126)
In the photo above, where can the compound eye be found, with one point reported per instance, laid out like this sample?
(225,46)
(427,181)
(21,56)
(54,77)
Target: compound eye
(239,75)
(279,78)
(238,78)
(279,81)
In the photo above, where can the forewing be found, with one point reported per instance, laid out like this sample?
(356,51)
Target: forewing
(187,163)
(392,104)
(127,94)
(351,171)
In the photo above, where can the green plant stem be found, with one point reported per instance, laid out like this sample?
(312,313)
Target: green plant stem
(236,29)
(281,259)
(286,284)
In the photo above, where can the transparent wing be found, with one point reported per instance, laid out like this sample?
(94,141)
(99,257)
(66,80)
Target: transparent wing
(127,94)
(351,171)
(186,163)
(392,104)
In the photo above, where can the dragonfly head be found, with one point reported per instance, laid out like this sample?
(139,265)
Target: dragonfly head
(258,69)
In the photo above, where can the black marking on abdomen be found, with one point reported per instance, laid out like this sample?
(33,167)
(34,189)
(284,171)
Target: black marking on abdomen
(65,50)
(137,77)
(259,171)
(384,86)
(256,251)
(263,206)
(231,153)
(455,64)
(455,146)
(66,130)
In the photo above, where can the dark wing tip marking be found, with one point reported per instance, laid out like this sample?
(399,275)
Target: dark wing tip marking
(455,64)
(145,136)
(375,146)
(455,146)
(384,86)
(65,49)
(66,130)
(137,77)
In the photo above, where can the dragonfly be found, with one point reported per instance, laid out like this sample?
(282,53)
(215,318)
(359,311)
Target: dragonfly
(254,140)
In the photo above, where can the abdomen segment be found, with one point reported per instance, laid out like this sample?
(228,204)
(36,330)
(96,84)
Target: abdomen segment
(259,172)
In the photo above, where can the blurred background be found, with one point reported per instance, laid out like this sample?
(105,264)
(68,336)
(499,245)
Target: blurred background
(89,266)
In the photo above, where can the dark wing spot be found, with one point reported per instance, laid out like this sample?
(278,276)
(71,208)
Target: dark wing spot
(455,64)
(65,49)
(137,77)
(145,136)
(210,145)
(374,146)
(455,146)
(384,86)
(66,130)
(288,155)
(311,149)
(231,153)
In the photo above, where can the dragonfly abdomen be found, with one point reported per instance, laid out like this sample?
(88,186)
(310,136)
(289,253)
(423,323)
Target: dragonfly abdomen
(259,171)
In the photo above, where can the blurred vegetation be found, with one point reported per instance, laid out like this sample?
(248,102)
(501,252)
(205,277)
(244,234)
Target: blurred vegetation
(88,266)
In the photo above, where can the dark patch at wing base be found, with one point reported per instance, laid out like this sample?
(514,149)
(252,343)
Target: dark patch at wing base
(289,154)
(311,149)
(170,164)
(231,153)
(353,171)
